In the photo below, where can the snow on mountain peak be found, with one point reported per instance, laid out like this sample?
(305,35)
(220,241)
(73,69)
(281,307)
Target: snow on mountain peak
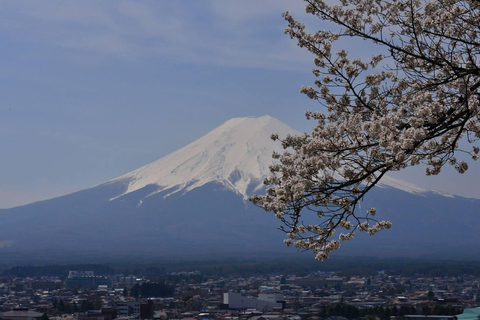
(388,181)
(237,154)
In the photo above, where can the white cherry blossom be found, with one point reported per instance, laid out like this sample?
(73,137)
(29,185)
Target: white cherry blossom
(409,103)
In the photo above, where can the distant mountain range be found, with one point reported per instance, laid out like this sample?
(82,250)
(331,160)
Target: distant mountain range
(193,203)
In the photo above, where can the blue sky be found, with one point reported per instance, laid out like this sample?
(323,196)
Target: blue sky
(90,90)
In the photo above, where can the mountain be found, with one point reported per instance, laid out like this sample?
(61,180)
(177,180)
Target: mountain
(237,155)
(193,204)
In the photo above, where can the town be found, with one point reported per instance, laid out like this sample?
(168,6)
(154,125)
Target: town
(86,295)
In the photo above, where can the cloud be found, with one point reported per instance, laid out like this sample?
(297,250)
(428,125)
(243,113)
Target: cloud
(249,10)
(238,34)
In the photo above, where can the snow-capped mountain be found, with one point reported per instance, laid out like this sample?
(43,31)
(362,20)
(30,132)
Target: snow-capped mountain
(237,155)
(192,203)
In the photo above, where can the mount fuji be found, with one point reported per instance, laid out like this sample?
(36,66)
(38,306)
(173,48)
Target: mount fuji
(193,203)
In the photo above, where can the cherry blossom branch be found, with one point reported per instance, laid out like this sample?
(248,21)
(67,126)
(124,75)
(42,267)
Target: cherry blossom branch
(413,110)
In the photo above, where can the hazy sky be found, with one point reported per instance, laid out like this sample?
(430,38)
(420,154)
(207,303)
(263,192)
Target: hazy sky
(91,90)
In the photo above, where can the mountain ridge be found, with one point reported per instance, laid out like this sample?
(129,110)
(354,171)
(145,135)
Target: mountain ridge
(236,154)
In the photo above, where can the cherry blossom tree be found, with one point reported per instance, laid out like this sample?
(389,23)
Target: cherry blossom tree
(411,102)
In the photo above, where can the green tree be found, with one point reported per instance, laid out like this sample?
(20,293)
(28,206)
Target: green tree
(135,291)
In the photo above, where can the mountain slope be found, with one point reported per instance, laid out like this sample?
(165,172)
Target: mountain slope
(237,154)
(191,203)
